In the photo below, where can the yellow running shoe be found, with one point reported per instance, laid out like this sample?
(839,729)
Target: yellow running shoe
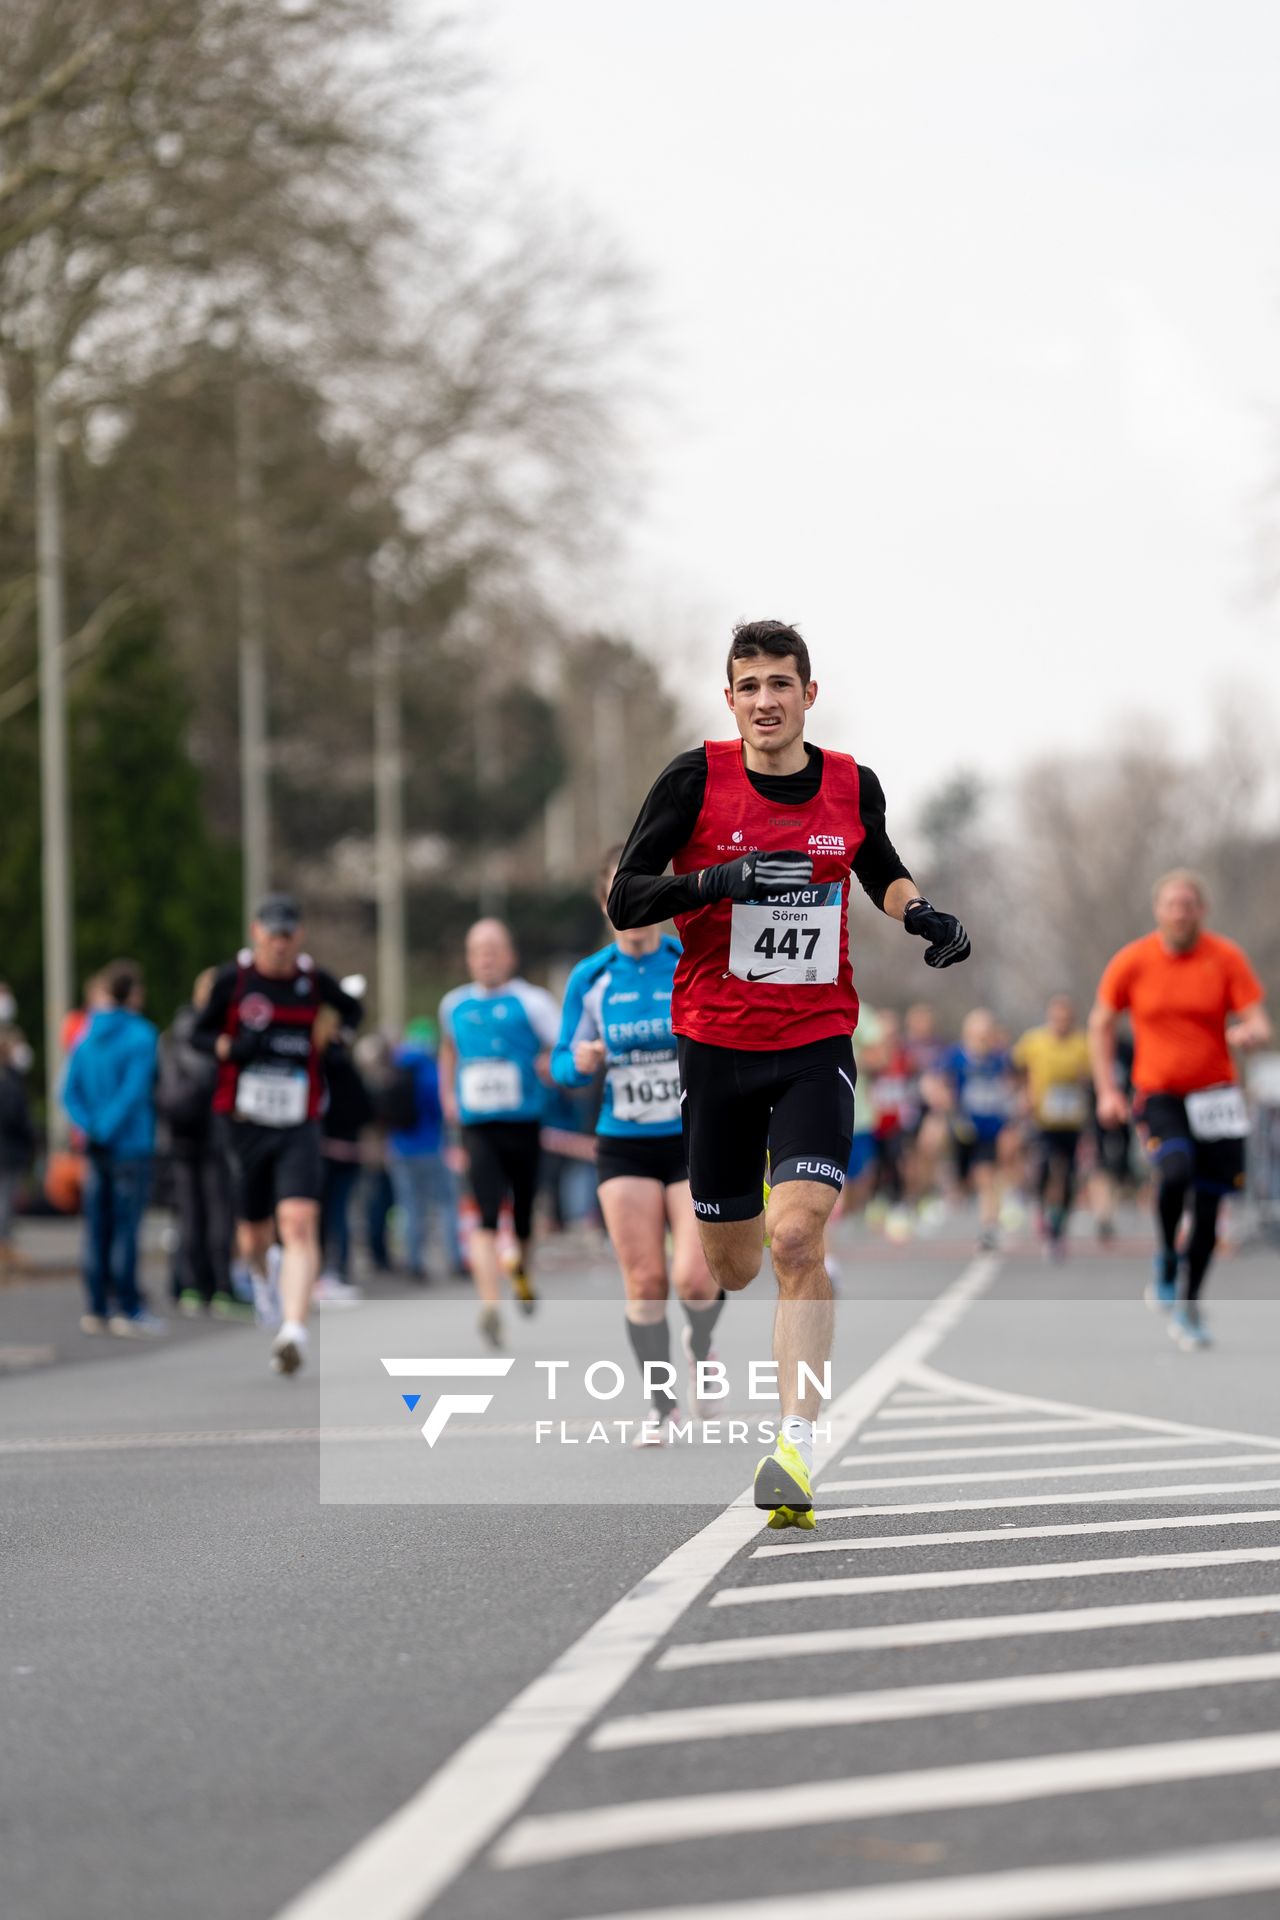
(782,1487)
(522,1286)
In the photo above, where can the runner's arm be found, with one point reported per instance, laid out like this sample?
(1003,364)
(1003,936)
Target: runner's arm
(877,863)
(643,893)
(210,1022)
(576,1025)
(1112,1106)
(1252,1029)
(447,1063)
(348,1009)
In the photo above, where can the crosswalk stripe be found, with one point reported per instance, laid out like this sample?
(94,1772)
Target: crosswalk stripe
(943,1409)
(1030,1403)
(794,1712)
(1093,1498)
(1029,1574)
(1051,1473)
(1028,1893)
(939,1633)
(808,1803)
(970,1536)
(1039,1449)
(971,1432)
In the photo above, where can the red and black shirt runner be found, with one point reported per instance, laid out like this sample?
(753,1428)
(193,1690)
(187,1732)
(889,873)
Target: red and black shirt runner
(764,1004)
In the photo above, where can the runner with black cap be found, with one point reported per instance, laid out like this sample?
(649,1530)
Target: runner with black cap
(259,1025)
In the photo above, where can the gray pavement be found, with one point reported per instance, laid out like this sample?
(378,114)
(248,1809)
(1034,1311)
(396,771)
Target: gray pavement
(213,1687)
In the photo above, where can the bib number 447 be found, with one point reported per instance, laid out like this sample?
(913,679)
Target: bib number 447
(793,943)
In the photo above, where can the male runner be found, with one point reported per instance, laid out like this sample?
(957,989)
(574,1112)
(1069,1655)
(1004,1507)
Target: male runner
(763,834)
(1055,1060)
(617,1019)
(1180,986)
(496,1036)
(258,1023)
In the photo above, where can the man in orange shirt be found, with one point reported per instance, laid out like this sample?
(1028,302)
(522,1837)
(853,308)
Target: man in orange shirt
(1181,986)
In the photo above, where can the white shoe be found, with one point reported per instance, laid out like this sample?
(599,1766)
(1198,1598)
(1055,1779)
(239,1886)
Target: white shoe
(334,1291)
(654,1432)
(142,1325)
(289,1348)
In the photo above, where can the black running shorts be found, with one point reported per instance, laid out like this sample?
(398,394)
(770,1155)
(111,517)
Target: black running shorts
(271,1164)
(636,1158)
(796,1105)
(503,1157)
(1218,1166)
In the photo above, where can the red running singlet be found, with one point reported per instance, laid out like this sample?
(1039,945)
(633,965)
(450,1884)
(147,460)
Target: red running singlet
(774,972)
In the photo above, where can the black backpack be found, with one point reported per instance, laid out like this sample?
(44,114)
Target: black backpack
(185,1081)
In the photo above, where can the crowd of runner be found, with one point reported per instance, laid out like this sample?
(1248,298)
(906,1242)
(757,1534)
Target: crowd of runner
(741,1096)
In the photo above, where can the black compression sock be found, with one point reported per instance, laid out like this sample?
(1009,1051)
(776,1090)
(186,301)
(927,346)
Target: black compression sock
(651,1343)
(702,1316)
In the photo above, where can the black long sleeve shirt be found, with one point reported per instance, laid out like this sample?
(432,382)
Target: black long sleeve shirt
(644,893)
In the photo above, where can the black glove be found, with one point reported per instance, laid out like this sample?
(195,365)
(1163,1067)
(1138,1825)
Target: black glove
(245,1046)
(754,874)
(948,941)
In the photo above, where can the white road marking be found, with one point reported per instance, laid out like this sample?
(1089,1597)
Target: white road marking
(746,1717)
(194,1437)
(1030,1574)
(968,1536)
(968,1432)
(1038,1450)
(927,1376)
(397,1870)
(935,1409)
(813,1803)
(1051,1473)
(1112,1496)
(920,1397)
(938,1633)
(1032,1893)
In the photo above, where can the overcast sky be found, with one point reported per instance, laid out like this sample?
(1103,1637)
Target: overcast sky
(970,318)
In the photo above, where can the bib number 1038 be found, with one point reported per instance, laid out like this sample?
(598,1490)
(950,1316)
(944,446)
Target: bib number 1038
(790,940)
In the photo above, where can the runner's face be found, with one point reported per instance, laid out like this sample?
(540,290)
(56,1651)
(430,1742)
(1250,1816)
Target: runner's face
(769,701)
(491,959)
(275,954)
(1179,915)
(1062,1017)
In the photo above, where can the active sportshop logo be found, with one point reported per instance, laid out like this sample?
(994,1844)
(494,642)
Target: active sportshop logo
(604,1381)
(827,842)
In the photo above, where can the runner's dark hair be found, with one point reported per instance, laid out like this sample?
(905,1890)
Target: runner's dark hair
(774,637)
(122,980)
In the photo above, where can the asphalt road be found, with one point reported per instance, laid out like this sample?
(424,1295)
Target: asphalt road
(214,1688)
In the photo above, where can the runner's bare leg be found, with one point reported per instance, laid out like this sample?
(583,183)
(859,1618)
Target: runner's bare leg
(805,1319)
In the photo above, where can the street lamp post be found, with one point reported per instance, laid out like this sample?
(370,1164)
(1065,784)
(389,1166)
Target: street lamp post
(54,810)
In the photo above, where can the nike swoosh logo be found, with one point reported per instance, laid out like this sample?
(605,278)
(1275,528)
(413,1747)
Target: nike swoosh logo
(767,975)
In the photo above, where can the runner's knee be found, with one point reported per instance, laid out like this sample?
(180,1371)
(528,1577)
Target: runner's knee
(1174,1163)
(795,1242)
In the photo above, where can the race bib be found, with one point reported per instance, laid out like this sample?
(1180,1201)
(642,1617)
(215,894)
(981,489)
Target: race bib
(987,1097)
(1064,1106)
(490,1086)
(792,940)
(646,1092)
(272,1098)
(1217,1113)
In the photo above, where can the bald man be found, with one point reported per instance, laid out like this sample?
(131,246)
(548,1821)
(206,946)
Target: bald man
(496,1035)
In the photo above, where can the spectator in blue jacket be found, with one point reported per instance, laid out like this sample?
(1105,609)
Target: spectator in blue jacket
(108,1091)
(422,1178)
